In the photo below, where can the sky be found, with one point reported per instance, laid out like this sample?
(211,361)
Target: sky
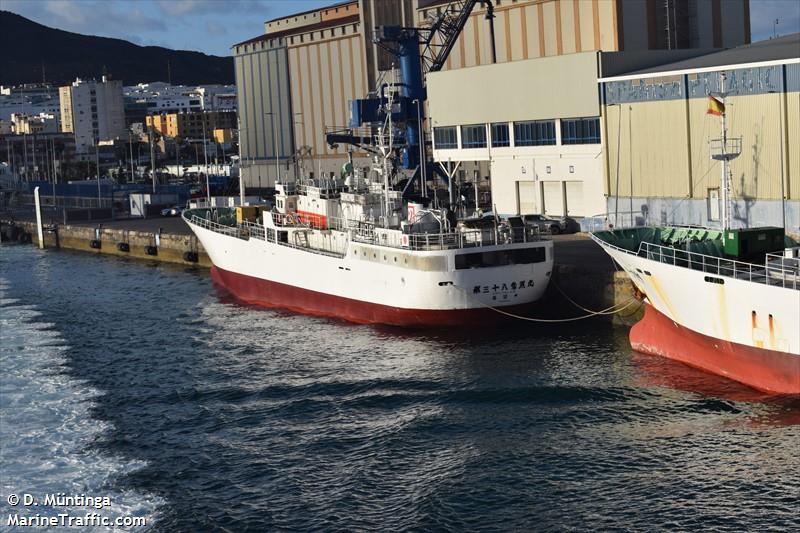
(212,26)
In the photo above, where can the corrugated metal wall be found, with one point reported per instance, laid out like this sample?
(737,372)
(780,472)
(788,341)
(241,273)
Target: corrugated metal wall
(326,74)
(659,131)
(533,28)
(262,84)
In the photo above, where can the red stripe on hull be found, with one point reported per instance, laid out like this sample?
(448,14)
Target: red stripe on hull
(766,370)
(271,294)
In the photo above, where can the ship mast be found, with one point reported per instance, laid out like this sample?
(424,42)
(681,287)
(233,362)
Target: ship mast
(725,181)
(386,144)
(725,149)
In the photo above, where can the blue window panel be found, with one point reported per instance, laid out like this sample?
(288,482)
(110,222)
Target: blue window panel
(473,136)
(535,133)
(445,138)
(580,131)
(500,137)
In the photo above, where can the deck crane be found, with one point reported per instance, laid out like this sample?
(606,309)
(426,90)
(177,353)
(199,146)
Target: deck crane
(419,51)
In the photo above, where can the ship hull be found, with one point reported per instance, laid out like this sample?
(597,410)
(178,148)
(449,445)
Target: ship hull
(742,330)
(372,284)
(767,370)
(271,294)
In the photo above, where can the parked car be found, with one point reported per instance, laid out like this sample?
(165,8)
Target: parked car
(174,211)
(553,225)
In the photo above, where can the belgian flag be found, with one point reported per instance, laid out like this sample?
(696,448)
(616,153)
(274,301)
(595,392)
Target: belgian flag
(715,106)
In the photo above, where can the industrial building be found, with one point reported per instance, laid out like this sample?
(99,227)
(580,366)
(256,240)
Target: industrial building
(294,82)
(93,111)
(544,154)
(658,138)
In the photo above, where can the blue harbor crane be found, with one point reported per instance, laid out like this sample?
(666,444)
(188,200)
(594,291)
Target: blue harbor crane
(419,51)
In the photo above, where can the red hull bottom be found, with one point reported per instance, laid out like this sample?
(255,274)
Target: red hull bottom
(766,370)
(271,294)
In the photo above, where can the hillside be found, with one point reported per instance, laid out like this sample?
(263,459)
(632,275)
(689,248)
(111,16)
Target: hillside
(29,46)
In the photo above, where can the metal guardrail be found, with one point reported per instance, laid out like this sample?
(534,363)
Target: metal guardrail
(70,202)
(368,233)
(780,267)
(777,270)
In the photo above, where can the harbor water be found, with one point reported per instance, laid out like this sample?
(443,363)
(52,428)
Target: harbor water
(144,383)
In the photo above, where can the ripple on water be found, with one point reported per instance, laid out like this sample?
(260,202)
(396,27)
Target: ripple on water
(46,427)
(254,419)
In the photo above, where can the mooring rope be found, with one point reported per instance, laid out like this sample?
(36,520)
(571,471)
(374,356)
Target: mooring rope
(614,309)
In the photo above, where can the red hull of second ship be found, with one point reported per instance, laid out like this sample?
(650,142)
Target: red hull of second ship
(271,294)
(766,370)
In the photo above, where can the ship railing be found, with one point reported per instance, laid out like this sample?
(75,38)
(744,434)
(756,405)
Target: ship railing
(368,233)
(244,230)
(216,227)
(777,271)
(252,230)
(783,270)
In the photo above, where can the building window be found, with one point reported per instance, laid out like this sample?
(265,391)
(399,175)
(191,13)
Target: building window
(580,131)
(535,133)
(473,136)
(500,136)
(445,138)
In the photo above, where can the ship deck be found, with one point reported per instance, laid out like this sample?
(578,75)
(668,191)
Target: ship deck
(679,248)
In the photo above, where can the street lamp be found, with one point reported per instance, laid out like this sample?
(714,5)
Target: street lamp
(296,150)
(275,145)
(422,162)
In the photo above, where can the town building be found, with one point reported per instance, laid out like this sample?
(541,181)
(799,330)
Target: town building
(160,97)
(294,82)
(41,123)
(29,99)
(192,125)
(93,111)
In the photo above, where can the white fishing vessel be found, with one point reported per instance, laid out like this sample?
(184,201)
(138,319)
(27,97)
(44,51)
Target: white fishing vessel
(723,300)
(354,248)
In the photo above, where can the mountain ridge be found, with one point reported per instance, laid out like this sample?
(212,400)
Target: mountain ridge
(61,56)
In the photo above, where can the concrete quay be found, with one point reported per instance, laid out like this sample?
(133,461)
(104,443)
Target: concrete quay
(156,239)
(584,275)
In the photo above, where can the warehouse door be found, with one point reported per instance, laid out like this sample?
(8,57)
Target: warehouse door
(552,198)
(526,197)
(575,204)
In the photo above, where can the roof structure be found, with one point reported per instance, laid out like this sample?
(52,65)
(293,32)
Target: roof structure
(302,29)
(782,48)
(306,12)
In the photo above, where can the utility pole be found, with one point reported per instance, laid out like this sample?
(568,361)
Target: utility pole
(97,166)
(152,159)
(25,153)
(205,160)
(130,148)
(55,176)
(241,173)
